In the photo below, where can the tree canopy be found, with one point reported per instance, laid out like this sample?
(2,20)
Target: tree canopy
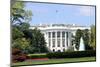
(23,38)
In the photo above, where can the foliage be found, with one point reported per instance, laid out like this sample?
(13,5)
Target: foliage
(38,41)
(22,44)
(77,38)
(93,37)
(16,33)
(70,49)
(20,39)
(18,56)
(86,38)
(17,12)
(23,38)
(31,56)
(73,54)
(85,34)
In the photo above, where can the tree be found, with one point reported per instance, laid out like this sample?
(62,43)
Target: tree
(38,41)
(86,38)
(17,12)
(77,38)
(20,28)
(28,15)
(22,44)
(93,37)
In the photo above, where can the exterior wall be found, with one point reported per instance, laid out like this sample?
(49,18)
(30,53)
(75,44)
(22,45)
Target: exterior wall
(58,38)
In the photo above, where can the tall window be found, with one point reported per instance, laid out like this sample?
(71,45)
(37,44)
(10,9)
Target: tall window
(63,50)
(67,38)
(63,42)
(58,41)
(53,43)
(63,34)
(49,42)
(49,34)
(53,34)
(58,34)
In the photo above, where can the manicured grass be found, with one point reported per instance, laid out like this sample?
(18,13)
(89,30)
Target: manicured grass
(54,61)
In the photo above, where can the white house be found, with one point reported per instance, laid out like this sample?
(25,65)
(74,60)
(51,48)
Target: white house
(58,36)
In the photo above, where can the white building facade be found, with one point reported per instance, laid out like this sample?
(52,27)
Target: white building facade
(58,37)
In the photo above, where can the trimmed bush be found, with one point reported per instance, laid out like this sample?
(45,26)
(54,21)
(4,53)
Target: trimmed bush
(31,56)
(74,54)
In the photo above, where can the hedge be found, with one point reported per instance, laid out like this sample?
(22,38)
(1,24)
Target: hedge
(74,54)
(31,56)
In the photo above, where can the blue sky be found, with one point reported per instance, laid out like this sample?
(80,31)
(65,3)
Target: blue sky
(44,13)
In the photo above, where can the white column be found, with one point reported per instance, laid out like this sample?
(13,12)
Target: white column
(47,39)
(65,40)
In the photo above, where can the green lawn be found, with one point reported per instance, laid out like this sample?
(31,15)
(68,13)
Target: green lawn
(55,61)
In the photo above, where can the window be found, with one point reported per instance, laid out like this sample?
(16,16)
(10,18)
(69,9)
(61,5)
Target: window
(58,41)
(58,34)
(63,34)
(53,43)
(67,38)
(63,42)
(49,42)
(53,34)
(53,50)
(63,50)
(59,51)
(49,34)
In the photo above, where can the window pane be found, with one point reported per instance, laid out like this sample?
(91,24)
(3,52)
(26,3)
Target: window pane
(63,42)
(67,38)
(58,34)
(53,50)
(58,41)
(53,34)
(53,43)
(49,34)
(63,34)
(49,42)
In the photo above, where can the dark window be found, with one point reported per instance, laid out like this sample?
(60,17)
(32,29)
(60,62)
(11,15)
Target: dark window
(63,34)
(49,34)
(49,42)
(53,42)
(63,42)
(63,50)
(58,41)
(67,38)
(53,34)
(58,34)
(59,51)
(53,50)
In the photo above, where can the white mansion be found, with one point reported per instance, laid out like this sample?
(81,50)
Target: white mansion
(58,36)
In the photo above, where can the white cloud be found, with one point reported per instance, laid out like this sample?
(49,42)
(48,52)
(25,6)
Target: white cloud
(86,10)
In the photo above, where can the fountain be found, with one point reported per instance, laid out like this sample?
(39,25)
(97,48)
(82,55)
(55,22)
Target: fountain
(81,45)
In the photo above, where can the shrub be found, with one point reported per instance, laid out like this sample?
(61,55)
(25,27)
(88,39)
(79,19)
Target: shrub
(73,54)
(31,56)
(18,56)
